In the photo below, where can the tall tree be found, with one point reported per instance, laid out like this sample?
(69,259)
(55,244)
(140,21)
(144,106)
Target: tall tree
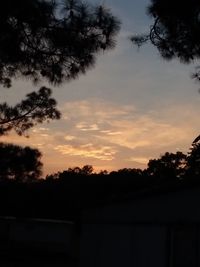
(36,108)
(51,40)
(193,161)
(168,166)
(19,163)
(175,30)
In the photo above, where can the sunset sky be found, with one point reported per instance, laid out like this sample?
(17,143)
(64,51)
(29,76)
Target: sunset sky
(131,107)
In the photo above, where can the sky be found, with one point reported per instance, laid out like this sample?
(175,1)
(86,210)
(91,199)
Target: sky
(131,107)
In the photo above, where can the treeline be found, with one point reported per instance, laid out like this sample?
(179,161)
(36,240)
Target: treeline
(63,195)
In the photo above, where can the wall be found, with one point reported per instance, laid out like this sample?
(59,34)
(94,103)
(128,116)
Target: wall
(127,246)
(144,232)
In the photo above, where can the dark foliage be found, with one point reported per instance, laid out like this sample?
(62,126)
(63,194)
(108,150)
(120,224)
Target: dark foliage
(64,195)
(168,166)
(193,162)
(52,40)
(175,30)
(48,40)
(36,108)
(21,164)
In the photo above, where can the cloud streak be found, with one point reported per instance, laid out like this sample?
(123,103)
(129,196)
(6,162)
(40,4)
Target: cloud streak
(124,126)
(89,150)
(110,136)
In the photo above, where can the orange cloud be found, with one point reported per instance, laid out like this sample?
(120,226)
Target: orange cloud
(109,135)
(88,151)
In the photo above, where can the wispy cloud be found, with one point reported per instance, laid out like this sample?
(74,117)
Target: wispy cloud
(110,136)
(88,151)
(83,126)
(139,160)
(69,137)
(124,126)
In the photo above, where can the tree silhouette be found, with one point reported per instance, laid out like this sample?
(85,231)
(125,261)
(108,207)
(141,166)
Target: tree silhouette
(175,30)
(76,171)
(170,165)
(53,41)
(19,163)
(193,161)
(36,108)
